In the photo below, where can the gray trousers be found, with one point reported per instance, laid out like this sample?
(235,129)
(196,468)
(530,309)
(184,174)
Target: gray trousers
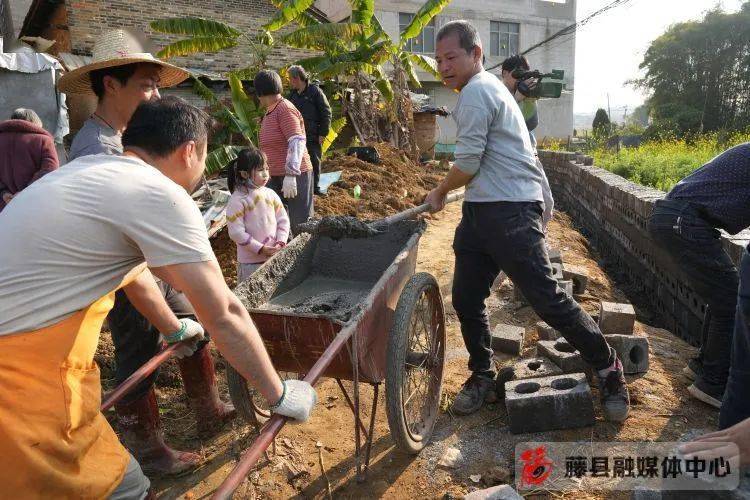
(299,208)
(134,485)
(244,271)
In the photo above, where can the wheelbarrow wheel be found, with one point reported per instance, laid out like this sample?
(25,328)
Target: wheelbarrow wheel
(248,402)
(414,360)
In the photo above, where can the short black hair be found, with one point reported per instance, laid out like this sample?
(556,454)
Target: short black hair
(299,72)
(468,37)
(248,159)
(120,73)
(515,62)
(267,82)
(160,126)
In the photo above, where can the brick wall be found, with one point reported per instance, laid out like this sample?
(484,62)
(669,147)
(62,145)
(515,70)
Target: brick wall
(88,18)
(612,212)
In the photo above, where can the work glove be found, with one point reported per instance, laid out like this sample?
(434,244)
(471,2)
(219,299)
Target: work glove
(297,401)
(188,336)
(289,187)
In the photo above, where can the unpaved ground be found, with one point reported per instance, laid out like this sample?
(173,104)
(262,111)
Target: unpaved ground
(661,410)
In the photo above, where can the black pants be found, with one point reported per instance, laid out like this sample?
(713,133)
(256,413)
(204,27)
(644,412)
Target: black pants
(136,340)
(735,406)
(694,245)
(508,236)
(300,208)
(315,150)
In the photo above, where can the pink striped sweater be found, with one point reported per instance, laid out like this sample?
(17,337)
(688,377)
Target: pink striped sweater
(256,217)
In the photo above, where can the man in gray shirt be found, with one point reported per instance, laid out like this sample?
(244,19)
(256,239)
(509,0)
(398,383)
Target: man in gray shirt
(501,227)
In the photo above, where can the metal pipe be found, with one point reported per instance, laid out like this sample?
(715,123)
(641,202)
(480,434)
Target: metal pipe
(138,376)
(351,405)
(276,422)
(376,388)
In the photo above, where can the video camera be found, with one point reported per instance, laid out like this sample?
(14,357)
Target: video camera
(531,83)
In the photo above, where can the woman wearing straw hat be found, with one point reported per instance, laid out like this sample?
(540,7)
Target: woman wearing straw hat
(122,76)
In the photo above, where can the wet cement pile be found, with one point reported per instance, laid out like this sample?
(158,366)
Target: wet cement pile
(394,185)
(339,226)
(320,275)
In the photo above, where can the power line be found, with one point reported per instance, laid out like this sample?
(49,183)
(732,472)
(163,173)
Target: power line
(571,29)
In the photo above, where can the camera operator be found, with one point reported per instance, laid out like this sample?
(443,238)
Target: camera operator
(519,89)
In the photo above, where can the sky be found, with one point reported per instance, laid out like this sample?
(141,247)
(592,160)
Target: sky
(611,46)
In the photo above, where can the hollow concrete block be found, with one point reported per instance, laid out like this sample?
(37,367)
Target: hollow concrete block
(557,271)
(522,369)
(518,295)
(508,339)
(548,403)
(578,275)
(616,319)
(562,354)
(546,332)
(567,287)
(632,350)
(555,256)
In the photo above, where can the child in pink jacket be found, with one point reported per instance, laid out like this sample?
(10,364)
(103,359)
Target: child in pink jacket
(256,219)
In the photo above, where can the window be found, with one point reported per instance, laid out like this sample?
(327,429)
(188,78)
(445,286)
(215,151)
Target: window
(424,43)
(503,38)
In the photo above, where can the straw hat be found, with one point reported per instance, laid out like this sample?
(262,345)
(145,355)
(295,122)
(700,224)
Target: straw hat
(117,48)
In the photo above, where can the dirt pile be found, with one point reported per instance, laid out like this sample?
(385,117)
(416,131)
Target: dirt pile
(394,185)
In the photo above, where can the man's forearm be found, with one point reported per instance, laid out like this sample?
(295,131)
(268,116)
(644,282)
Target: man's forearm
(146,297)
(455,179)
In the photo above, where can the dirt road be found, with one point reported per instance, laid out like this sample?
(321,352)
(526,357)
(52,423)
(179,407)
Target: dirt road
(661,410)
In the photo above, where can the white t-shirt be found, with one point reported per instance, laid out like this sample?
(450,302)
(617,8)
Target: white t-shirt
(71,237)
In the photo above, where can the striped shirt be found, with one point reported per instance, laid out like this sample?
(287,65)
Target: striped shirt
(278,126)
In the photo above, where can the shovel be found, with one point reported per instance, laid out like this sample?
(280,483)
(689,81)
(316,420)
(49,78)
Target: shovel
(340,226)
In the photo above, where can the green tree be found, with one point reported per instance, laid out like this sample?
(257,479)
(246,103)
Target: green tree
(601,125)
(698,74)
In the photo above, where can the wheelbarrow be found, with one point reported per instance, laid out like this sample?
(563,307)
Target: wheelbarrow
(349,310)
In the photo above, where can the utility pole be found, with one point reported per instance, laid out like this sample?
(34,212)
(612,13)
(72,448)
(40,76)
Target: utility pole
(625,116)
(609,111)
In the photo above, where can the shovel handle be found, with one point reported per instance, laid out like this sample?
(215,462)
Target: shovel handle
(413,212)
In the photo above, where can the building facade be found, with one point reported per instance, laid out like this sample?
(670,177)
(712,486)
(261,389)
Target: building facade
(506,28)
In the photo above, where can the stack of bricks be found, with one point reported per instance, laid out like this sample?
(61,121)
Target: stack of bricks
(613,213)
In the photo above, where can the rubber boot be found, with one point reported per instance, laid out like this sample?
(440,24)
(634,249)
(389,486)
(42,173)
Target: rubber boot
(199,377)
(143,435)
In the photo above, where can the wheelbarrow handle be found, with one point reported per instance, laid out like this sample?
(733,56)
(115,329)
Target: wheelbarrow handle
(413,212)
(138,376)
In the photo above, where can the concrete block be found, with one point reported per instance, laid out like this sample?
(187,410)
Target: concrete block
(555,256)
(578,275)
(525,368)
(562,354)
(508,339)
(632,350)
(557,271)
(616,319)
(518,295)
(499,492)
(548,403)
(546,332)
(567,286)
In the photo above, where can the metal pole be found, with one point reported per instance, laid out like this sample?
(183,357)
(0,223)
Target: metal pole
(137,377)
(276,422)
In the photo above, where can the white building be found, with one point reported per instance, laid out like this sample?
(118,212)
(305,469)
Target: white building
(506,27)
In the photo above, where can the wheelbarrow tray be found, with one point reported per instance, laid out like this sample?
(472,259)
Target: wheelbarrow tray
(303,296)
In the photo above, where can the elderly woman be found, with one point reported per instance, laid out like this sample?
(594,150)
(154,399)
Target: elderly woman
(282,140)
(27,152)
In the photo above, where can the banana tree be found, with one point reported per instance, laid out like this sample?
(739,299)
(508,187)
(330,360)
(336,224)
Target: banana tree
(359,50)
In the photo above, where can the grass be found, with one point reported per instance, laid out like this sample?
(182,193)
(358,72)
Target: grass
(661,164)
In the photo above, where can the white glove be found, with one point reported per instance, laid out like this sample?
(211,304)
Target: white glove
(190,333)
(289,187)
(297,401)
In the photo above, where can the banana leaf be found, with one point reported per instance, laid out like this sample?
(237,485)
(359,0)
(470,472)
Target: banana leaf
(363,11)
(427,63)
(424,15)
(288,12)
(194,27)
(218,158)
(320,36)
(194,45)
(336,127)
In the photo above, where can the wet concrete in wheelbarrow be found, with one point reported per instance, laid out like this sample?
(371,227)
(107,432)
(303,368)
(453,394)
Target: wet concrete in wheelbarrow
(337,227)
(321,275)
